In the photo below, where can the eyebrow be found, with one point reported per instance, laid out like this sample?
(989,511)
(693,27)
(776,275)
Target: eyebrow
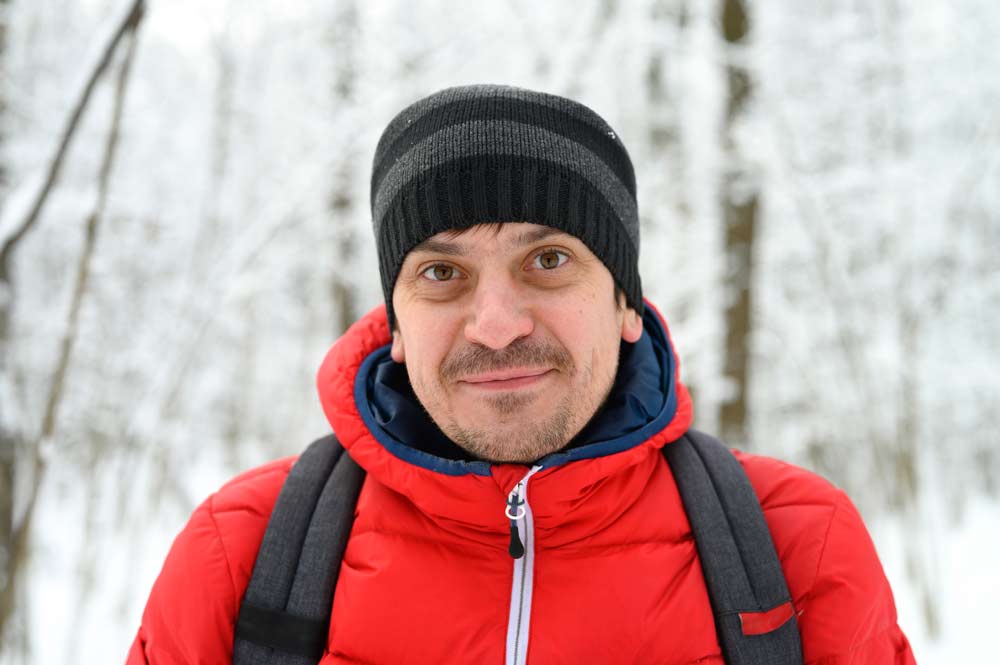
(449,248)
(534,235)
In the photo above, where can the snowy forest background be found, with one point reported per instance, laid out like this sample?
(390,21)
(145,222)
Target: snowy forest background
(184,230)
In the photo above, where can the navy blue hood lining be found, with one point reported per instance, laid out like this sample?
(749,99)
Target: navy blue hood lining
(641,403)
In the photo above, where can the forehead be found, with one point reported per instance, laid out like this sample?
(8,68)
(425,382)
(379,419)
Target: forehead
(490,237)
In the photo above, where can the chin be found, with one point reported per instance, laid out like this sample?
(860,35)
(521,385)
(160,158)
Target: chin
(522,439)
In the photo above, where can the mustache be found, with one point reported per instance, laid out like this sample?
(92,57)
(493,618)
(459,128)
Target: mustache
(477,358)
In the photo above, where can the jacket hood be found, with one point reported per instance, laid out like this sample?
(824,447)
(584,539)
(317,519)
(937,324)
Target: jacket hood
(372,409)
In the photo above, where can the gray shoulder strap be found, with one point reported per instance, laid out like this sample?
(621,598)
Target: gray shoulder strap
(285,613)
(754,616)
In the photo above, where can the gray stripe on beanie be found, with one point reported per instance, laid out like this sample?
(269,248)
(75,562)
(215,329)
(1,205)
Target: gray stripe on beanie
(489,138)
(422,107)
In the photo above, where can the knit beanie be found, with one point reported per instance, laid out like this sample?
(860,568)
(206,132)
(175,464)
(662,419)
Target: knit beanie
(488,153)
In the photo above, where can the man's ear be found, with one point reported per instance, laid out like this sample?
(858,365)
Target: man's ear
(631,326)
(397,352)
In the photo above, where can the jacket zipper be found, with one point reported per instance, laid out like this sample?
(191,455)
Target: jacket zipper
(522,550)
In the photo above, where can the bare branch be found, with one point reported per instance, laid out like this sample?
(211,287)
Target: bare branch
(128,24)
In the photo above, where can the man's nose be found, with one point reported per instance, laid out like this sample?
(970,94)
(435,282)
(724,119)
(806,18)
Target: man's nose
(500,313)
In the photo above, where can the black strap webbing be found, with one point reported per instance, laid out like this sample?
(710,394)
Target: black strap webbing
(754,617)
(295,635)
(285,614)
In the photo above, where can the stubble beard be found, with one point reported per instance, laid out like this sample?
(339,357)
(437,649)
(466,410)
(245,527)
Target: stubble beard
(510,437)
(521,441)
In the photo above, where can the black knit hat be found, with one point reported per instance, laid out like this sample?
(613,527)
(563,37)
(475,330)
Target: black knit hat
(488,153)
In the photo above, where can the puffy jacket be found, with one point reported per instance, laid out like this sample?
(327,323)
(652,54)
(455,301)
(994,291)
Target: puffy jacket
(427,577)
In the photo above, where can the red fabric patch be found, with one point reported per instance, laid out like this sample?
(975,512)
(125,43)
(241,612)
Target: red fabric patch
(758,623)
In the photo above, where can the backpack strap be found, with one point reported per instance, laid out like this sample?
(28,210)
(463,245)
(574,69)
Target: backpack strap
(285,612)
(754,616)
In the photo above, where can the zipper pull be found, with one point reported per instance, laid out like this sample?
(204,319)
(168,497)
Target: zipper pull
(516,548)
(514,512)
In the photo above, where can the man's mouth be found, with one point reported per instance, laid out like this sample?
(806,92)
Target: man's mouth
(507,379)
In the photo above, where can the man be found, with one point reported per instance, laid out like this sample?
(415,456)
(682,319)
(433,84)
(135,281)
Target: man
(509,405)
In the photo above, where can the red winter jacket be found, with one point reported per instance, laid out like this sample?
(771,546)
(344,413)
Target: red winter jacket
(427,577)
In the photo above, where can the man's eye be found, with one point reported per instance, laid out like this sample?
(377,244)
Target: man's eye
(440,272)
(550,259)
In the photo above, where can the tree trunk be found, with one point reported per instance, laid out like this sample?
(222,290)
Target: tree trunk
(739,197)
(236,405)
(10,439)
(5,6)
(911,317)
(342,201)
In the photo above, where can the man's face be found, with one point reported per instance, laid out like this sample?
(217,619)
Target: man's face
(510,336)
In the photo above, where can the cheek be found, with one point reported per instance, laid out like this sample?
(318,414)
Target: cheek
(426,337)
(605,338)
(593,340)
(424,357)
